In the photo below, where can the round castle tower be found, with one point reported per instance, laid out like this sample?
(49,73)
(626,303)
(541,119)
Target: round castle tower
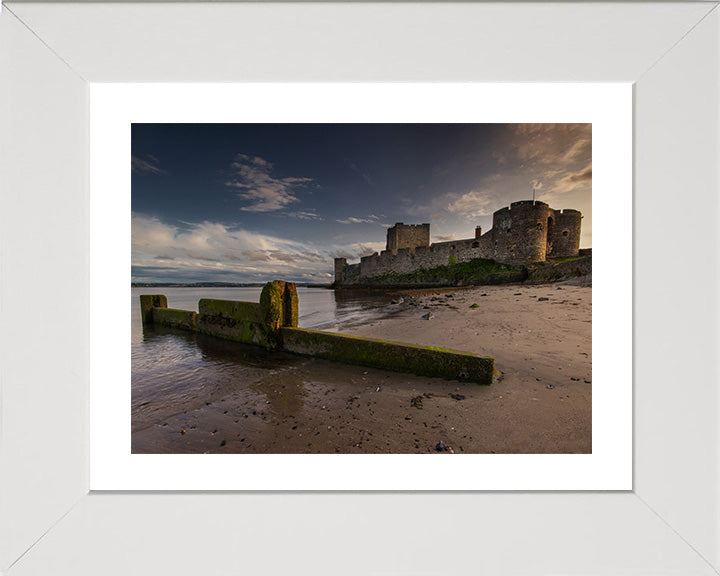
(564,236)
(531,231)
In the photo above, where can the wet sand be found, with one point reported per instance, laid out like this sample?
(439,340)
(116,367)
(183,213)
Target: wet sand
(541,401)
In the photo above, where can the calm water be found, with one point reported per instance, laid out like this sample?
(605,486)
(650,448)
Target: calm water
(175,371)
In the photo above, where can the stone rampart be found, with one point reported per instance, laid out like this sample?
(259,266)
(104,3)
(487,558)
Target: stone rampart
(526,232)
(406,261)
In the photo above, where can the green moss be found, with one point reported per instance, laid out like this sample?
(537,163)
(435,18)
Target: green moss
(560,268)
(566,259)
(247,322)
(452,259)
(271,304)
(235,309)
(279,304)
(291,305)
(184,319)
(237,330)
(397,356)
(148,302)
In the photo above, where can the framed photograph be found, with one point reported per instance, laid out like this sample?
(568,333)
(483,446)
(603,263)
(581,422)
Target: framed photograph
(641,497)
(169,436)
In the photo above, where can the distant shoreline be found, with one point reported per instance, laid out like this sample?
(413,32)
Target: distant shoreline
(215,285)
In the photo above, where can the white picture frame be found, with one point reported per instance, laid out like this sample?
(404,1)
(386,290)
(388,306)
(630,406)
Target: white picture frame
(114,107)
(668,524)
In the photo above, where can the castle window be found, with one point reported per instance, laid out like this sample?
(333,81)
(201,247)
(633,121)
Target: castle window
(538,225)
(476,244)
(508,230)
(566,232)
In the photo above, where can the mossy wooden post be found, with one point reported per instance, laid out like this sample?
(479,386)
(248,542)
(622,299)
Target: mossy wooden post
(232,320)
(148,302)
(183,319)
(278,307)
(388,355)
(291,306)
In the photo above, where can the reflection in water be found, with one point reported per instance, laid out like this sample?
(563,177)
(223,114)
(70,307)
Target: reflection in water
(322,309)
(348,299)
(175,372)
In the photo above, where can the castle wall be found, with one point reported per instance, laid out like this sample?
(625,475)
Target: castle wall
(407,236)
(346,274)
(523,233)
(564,240)
(406,260)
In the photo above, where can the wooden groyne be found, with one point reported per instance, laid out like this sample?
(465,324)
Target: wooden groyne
(273,323)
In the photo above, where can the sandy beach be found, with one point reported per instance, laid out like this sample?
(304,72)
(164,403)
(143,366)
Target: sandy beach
(541,339)
(539,335)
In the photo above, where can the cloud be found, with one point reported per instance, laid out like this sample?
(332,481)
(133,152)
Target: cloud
(574,181)
(149,165)
(357,250)
(554,159)
(203,250)
(252,177)
(308,214)
(547,145)
(580,149)
(371,219)
(585,175)
(211,251)
(472,204)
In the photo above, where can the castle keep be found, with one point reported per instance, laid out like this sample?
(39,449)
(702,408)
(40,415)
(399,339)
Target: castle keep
(522,233)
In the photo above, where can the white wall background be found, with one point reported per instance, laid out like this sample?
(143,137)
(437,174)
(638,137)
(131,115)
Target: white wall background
(668,526)
(43,288)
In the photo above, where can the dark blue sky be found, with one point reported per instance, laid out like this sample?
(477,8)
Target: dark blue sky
(252,202)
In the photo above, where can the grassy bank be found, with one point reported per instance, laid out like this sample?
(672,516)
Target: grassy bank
(477,271)
(484,272)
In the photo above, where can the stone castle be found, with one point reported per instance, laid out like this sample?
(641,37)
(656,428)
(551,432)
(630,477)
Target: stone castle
(525,232)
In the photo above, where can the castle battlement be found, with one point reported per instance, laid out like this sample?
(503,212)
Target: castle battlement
(527,203)
(527,231)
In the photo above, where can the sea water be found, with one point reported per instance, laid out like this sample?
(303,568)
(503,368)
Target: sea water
(175,371)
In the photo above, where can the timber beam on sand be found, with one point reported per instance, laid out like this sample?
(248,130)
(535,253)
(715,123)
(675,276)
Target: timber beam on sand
(273,323)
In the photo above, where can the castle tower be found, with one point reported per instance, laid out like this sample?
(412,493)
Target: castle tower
(530,231)
(564,234)
(340,264)
(520,232)
(407,236)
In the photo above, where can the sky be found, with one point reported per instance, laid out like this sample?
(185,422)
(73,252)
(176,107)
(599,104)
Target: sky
(257,202)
